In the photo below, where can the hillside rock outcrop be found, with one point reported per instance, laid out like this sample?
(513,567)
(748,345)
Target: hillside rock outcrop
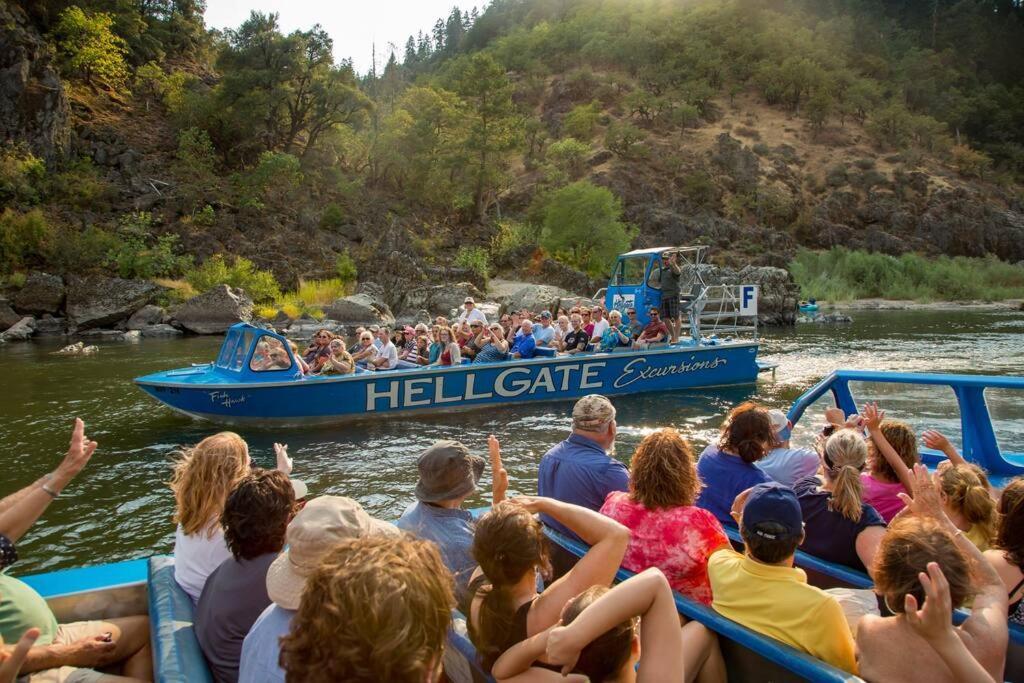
(213,312)
(98,301)
(41,293)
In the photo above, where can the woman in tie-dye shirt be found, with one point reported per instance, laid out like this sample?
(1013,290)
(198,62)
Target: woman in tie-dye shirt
(668,531)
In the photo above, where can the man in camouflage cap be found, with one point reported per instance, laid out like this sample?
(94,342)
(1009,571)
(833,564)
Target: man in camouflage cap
(580,470)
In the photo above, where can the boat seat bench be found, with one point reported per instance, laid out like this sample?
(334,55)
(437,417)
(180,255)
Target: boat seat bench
(177,657)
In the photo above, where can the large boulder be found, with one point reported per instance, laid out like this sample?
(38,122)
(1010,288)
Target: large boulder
(437,299)
(536,298)
(98,301)
(145,316)
(21,330)
(41,293)
(213,312)
(360,309)
(7,315)
(50,326)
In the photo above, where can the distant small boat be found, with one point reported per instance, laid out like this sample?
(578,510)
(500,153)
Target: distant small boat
(809,306)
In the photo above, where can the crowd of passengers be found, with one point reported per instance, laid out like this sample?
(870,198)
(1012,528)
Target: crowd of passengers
(468,338)
(290,589)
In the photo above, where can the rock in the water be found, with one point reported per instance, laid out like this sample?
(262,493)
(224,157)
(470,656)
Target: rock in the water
(132,336)
(437,299)
(21,330)
(161,330)
(90,350)
(146,316)
(95,301)
(213,312)
(360,309)
(49,326)
(7,315)
(42,293)
(833,318)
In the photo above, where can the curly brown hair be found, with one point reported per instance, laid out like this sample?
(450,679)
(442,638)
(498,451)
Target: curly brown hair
(747,432)
(903,440)
(376,609)
(1010,530)
(257,513)
(906,549)
(663,473)
(508,543)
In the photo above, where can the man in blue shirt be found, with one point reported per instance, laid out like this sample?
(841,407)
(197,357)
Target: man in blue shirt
(525,345)
(579,470)
(448,475)
(544,333)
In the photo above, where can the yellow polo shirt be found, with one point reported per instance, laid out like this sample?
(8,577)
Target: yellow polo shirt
(778,602)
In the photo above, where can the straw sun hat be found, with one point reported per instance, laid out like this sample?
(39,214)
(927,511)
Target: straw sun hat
(317,528)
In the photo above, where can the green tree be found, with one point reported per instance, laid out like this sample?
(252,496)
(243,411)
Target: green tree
(88,47)
(583,225)
(818,109)
(492,126)
(580,122)
(569,156)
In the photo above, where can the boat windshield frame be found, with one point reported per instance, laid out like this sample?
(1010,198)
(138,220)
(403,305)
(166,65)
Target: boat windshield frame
(236,353)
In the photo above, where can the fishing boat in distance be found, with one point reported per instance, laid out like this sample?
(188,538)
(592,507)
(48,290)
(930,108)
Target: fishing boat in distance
(721,350)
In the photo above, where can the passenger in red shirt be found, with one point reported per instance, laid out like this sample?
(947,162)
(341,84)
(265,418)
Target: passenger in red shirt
(656,331)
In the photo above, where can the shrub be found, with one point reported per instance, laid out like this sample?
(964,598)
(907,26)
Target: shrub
(136,257)
(82,251)
(195,151)
(583,226)
(24,237)
(346,268)
(841,274)
(332,218)
(969,162)
(16,280)
(626,140)
(273,179)
(89,48)
(260,285)
(21,176)
(174,292)
(700,189)
(81,186)
(569,156)
(580,122)
(510,236)
(205,217)
(320,292)
(475,260)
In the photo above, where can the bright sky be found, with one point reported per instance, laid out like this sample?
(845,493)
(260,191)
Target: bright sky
(355,25)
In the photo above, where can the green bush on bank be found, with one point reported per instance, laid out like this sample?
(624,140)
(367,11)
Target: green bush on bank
(259,285)
(842,275)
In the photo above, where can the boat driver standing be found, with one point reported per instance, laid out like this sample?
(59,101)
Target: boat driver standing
(669,280)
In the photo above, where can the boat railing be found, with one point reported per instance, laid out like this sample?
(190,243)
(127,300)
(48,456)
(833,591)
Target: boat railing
(718,310)
(979,445)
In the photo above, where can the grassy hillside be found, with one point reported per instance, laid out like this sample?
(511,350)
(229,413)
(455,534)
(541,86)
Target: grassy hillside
(533,131)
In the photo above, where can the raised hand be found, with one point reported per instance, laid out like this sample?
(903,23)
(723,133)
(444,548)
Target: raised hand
(11,660)
(834,416)
(934,620)
(926,501)
(872,416)
(284,463)
(499,475)
(935,439)
(79,452)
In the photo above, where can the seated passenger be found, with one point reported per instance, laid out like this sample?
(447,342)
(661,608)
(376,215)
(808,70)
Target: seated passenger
(666,530)
(511,549)
(561,329)
(477,337)
(495,348)
(408,355)
(763,591)
(892,451)
(69,651)
(255,518)
(727,467)
(615,335)
(588,322)
(318,349)
(399,582)
(525,344)
(964,490)
(654,332)
(599,325)
(358,337)
(839,526)
(422,350)
(367,351)
(303,365)
(634,326)
(387,354)
(450,352)
(202,479)
(544,333)
(577,339)
(890,647)
(436,347)
(785,464)
(448,475)
(1007,552)
(339,362)
(317,528)
(601,638)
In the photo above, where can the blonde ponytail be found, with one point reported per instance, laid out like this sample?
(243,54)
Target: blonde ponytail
(845,455)
(966,489)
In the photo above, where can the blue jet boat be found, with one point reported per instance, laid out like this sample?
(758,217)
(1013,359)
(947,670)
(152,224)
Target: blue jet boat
(238,388)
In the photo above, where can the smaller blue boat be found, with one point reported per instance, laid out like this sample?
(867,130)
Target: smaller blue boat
(810,306)
(238,388)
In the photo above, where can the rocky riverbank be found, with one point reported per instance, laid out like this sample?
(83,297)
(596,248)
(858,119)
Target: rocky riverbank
(110,308)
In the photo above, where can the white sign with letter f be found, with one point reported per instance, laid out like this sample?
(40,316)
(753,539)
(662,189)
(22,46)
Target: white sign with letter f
(748,299)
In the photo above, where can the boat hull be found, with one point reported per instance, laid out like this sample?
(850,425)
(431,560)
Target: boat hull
(212,395)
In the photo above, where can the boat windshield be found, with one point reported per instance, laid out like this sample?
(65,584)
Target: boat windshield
(269,355)
(227,349)
(630,271)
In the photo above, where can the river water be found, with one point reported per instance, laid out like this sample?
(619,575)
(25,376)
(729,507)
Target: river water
(120,506)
